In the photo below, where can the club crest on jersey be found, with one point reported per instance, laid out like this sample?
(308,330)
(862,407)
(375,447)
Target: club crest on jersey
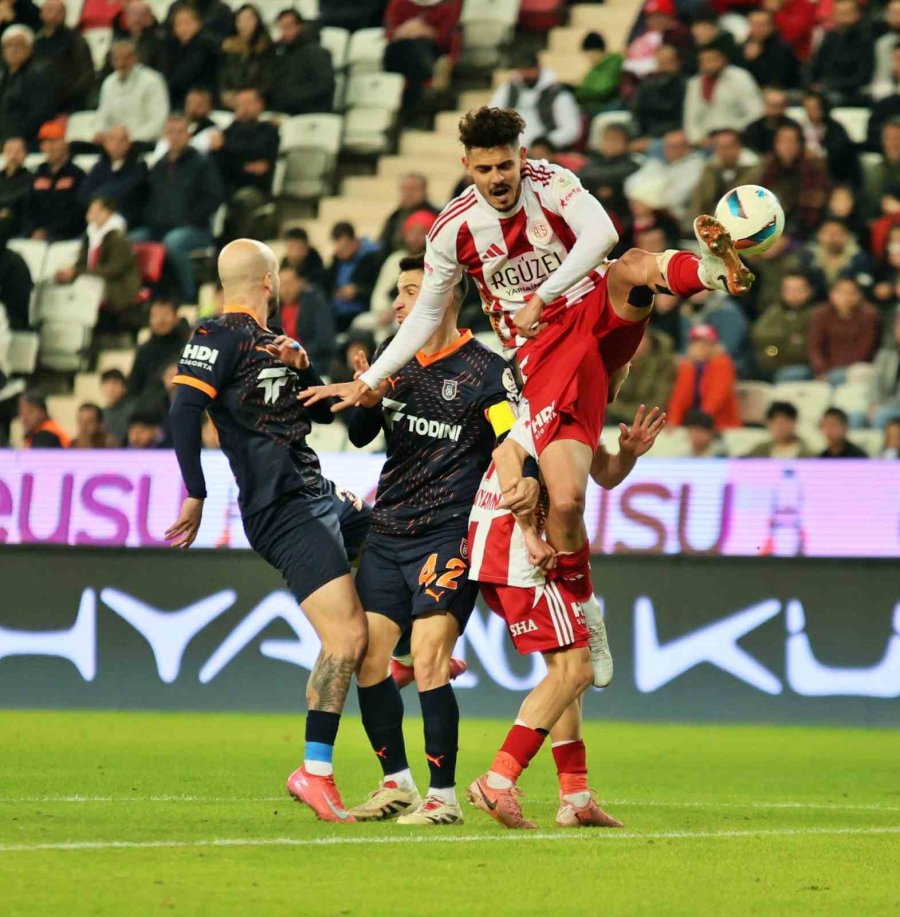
(272,381)
(449,389)
(538,232)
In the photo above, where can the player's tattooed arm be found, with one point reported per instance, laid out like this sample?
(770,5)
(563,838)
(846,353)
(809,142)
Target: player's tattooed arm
(329,683)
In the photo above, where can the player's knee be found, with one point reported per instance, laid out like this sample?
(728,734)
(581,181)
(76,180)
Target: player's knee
(432,667)
(633,266)
(568,505)
(574,670)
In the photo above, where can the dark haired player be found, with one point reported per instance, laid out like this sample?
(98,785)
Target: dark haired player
(234,368)
(535,243)
(442,415)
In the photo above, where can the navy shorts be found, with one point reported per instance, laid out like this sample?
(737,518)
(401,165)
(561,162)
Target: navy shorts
(406,577)
(310,539)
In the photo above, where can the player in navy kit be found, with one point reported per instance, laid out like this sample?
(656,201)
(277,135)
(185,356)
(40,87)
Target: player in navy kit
(235,369)
(442,414)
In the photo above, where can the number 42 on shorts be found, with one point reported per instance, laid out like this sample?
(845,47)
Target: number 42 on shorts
(446,580)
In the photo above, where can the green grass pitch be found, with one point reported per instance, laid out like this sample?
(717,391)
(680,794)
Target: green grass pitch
(121,814)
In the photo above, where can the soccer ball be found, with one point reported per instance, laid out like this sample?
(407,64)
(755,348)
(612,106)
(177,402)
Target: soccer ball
(753,217)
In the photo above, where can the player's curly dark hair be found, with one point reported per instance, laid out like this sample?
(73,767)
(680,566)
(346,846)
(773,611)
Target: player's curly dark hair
(490,127)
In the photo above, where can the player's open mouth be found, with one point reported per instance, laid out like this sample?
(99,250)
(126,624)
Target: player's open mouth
(500,191)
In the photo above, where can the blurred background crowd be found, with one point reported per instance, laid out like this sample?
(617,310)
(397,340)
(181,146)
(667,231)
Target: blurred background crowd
(138,137)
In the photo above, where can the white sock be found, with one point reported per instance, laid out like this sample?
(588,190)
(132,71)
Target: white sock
(404,660)
(579,800)
(446,794)
(318,768)
(498,781)
(403,779)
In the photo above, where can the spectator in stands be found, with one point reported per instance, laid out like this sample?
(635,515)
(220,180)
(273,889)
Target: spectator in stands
(246,59)
(306,317)
(706,30)
(247,160)
(786,256)
(185,191)
(677,175)
(419,35)
(99,14)
(828,138)
(759,135)
(844,204)
(730,165)
(780,335)
(107,253)
(41,431)
(413,196)
(720,95)
(19,12)
(190,58)
(705,381)
(883,175)
(607,169)
(27,91)
(884,75)
(120,175)
(15,183)
(717,310)
(887,274)
(891,449)
(302,257)
(117,405)
(661,27)
(703,438)
(52,209)
(835,253)
(885,393)
(351,275)
(658,103)
(798,178)
(139,26)
(834,426)
(168,335)
(352,14)
(650,379)
(133,96)
(548,108)
(342,367)
(15,287)
(796,21)
(145,430)
(205,134)
(302,71)
(765,55)
(91,432)
(415,231)
(844,331)
(647,211)
(842,67)
(600,86)
(66,54)
(781,422)
(215,16)
(886,92)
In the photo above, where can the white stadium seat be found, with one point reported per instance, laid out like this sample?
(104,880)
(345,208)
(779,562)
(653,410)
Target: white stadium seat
(59,255)
(375,90)
(742,440)
(810,399)
(99,41)
(77,302)
(115,359)
(33,253)
(312,132)
(602,121)
(365,51)
(23,351)
(222,118)
(336,42)
(854,120)
(309,145)
(86,161)
(488,26)
(83,126)
(852,397)
(753,400)
(308,9)
(860,373)
(63,346)
(367,130)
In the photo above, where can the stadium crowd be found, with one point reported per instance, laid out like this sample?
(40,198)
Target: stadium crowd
(802,97)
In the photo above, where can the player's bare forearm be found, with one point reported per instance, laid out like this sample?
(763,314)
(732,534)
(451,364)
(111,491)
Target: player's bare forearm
(608,471)
(348,395)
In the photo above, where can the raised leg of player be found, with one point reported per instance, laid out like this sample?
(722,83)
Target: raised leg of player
(381,709)
(433,639)
(337,617)
(569,674)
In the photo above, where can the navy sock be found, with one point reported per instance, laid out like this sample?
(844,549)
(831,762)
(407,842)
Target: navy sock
(381,708)
(321,732)
(441,718)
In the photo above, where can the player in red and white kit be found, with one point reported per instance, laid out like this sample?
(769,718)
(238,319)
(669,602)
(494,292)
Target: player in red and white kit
(542,616)
(535,242)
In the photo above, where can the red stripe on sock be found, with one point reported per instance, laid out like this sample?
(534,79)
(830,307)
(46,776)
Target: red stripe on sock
(520,746)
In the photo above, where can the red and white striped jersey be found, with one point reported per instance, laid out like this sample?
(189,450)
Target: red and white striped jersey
(509,255)
(497,552)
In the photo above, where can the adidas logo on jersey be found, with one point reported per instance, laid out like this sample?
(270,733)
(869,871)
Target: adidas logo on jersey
(522,627)
(492,251)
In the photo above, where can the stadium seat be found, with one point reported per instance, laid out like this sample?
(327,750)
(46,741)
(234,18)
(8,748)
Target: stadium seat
(33,161)
(854,120)
(860,373)
(143,336)
(16,433)
(736,25)
(99,41)
(63,346)
(753,401)
(336,42)
(23,351)
(82,126)
(33,253)
(870,440)
(59,255)
(115,359)
(308,9)
(375,90)
(73,13)
(740,440)
(852,397)
(487,27)
(367,130)
(318,132)
(222,118)
(601,121)
(86,161)
(151,256)
(810,398)
(77,302)
(365,50)
(672,442)
(64,410)
(309,145)
(87,387)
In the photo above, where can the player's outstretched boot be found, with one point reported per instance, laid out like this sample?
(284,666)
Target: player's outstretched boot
(601,658)
(387,802)
(405,674)
(320,794)
(434,811)
(721,267)
(589,815)
(502,805)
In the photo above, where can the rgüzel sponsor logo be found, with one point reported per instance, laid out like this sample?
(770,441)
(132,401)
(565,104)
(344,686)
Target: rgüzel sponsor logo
(169,633)
(524,273)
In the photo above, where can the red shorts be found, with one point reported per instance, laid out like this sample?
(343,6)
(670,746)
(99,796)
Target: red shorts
(567,367)
(540,619)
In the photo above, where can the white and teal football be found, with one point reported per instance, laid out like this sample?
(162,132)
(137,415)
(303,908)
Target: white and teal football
(753,217)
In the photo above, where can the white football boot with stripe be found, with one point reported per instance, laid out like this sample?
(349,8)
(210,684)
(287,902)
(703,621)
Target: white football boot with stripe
(434,811)
(721,267)
(601,657)
(387,802)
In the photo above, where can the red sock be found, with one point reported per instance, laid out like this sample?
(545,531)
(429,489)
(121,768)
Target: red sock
(575,570)
(521,745)
(682,275)
(571,766)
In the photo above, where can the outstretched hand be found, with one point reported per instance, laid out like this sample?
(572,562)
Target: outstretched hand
(638,439)
(184,531)
(289,352)
(349,395)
